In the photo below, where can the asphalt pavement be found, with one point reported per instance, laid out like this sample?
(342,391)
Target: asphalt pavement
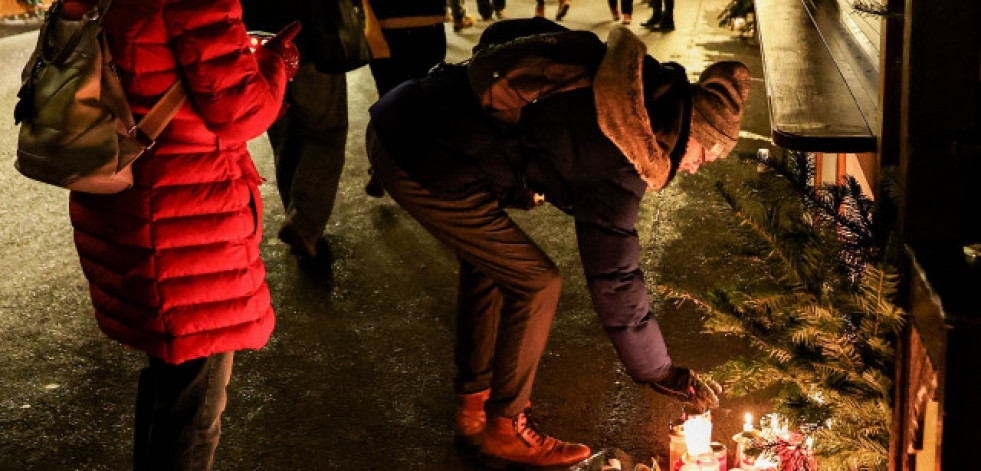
(358,375)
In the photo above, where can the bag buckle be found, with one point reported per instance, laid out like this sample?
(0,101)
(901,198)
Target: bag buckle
(139,136)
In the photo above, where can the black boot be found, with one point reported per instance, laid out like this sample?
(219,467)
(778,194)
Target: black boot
(667,22)
(654,19)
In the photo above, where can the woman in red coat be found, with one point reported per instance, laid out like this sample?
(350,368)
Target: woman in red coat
(173,263)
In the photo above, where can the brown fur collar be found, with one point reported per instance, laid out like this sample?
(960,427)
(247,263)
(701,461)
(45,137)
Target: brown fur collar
(619,92)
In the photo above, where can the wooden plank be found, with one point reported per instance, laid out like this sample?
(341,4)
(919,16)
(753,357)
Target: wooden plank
(855,54)
(811,107)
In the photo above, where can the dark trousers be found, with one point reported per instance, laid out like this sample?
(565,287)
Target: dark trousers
(486,8)
(308,145)
(626,6)
(178,413)
(667,8)
(509,288)
(414,52)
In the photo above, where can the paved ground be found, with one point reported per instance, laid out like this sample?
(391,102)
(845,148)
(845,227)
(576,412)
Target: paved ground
(358,373)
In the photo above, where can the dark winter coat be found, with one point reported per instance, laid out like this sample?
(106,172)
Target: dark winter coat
(445,137)
(173,263)
(388,9)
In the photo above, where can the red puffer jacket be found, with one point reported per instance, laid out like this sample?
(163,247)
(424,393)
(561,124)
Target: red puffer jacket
(173,263)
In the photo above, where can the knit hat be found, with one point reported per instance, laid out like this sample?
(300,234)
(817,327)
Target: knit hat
(717,106)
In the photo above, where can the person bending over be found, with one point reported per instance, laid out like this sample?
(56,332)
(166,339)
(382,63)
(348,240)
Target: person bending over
(591,126)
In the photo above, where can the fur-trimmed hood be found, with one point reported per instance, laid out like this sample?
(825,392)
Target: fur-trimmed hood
(643,107)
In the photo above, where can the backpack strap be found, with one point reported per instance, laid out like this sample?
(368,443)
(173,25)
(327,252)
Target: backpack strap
(154,122)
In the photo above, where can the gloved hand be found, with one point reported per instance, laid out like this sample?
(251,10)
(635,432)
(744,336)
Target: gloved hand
(282,44)
(696,393)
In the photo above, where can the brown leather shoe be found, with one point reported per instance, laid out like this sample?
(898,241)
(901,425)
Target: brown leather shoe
(510,441)
(471,420)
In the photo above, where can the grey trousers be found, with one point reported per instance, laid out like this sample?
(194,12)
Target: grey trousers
(308,144)
(178,413)
(508,292)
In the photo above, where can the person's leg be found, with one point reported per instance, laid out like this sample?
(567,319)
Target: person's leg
(456,9)
(458,12)
(485,9)
(563,10)
(483,235)
(614,9)
(185,424)
(286,150)
(667,23)
(145,398)
(319,122)
(627,7)
(656,14)
(499,6)
(477,316)
(540,8)
(478,312)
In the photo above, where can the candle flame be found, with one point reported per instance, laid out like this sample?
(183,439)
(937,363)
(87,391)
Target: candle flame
(748,426)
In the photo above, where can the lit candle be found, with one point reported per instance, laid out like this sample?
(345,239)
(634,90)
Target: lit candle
(764,463)
(743,439)
(676,446)
(698,435)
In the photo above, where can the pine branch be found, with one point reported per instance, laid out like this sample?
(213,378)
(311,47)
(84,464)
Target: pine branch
(772,244)
(828,208)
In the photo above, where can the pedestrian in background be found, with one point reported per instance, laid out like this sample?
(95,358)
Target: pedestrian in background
(662,17)
(309,140)
(626,8)
(486,8)
(407,39)
(458,12)
(173,263)
(540,111)
(559,14)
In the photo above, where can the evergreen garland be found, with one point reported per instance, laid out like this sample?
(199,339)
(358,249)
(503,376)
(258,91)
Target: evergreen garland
(815,299)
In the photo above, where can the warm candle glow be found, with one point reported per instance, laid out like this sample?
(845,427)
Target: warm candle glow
(698,435)
(765,464)
(748,426)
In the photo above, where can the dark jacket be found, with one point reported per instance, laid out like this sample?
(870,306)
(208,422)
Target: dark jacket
(444,137)
(320,36)
(385,9)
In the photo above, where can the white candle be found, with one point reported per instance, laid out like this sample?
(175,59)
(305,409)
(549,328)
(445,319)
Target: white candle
(748,425)
(698,435)
(764,463)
